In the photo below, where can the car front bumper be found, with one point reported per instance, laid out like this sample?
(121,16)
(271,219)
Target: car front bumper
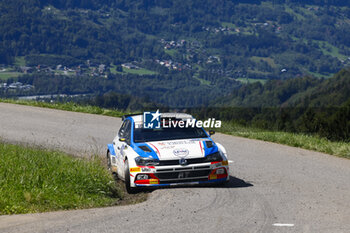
(194,174)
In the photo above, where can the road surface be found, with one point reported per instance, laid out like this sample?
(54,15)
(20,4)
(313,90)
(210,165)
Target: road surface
(273,188)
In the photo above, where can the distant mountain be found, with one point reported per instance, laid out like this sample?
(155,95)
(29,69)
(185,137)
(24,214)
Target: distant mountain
(328,93)
(298,92)
(304,105)
(218,39)
(180,53)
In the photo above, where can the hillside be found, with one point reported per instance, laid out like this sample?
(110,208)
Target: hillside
(298,92)
(178,53)
(329,93)
(270,36)
(305,105)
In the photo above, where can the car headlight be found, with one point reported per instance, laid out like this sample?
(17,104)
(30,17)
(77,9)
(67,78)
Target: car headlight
(142,161)
(214,157)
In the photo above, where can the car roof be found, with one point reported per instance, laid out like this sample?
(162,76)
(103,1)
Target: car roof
(182,116)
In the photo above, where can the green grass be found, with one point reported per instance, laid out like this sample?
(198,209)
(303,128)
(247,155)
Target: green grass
(140,71)
(113,69)
(20,61)
(7,75)
(292,12)
(170,52)
(250,80)
(318,75)
(331,50)
(228,24)
(202,81)
(61,72)
(341,149)
(269,60)
(37,180)
(196,75)
(326,48)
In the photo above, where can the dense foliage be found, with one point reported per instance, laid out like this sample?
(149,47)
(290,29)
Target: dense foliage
(307,105)
(253,39)
(174,89)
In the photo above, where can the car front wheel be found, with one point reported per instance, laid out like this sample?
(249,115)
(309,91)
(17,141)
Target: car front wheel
(129,189)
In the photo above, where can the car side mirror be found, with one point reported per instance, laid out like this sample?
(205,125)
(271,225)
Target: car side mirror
(211,132)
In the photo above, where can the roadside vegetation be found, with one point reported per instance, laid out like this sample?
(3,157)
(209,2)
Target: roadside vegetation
(36,180)
(310,142)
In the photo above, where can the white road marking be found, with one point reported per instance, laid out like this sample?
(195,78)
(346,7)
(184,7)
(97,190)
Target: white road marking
(283,225)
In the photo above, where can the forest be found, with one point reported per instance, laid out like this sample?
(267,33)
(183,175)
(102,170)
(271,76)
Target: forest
(305,105)
(220,39)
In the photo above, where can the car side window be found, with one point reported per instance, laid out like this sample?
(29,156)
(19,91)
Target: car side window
(122,129)
(127,133)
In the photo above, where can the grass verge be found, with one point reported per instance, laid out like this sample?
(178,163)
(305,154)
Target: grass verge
(341,149)
(315,143)
(36,180)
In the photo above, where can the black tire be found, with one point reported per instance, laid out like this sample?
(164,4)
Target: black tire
(127,179)
(109,163)
(109,166)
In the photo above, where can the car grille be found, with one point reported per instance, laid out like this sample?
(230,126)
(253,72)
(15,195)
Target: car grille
(177,161)
(183,174)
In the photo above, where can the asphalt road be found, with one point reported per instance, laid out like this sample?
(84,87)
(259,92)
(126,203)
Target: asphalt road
(273,188)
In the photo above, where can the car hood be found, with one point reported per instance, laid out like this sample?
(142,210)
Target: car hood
(176,149)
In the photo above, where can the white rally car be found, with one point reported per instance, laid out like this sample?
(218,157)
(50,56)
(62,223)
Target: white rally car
(145,157)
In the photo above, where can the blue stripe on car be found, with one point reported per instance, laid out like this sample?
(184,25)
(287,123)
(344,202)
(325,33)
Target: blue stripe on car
(143,153)
(135,146)
(211,150)
(111,149)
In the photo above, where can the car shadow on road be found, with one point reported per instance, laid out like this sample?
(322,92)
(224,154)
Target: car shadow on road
(234,182)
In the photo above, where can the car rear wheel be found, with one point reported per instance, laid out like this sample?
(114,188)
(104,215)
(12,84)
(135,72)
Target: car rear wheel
(129,189)
(109,165)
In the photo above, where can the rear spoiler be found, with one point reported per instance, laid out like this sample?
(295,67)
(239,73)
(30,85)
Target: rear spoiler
(129,115)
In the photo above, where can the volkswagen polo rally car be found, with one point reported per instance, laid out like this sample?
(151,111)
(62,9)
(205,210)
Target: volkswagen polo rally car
(166,156)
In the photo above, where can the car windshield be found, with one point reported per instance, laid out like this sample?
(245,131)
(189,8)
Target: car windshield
(148,135)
